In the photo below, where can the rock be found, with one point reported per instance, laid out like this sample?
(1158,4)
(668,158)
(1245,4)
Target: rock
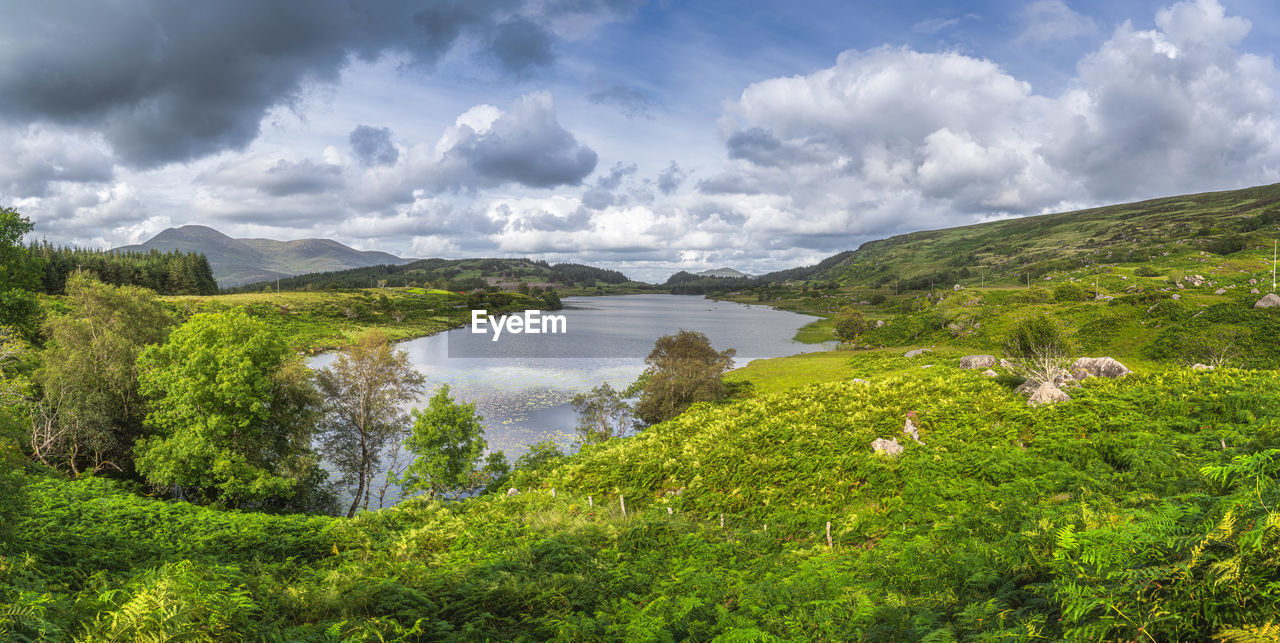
(1004,363)
(512,491)
(927,366)
(1270,300)
(1220,291)
(858,380)
(957,288)
(1253,282)
(1101,367)
(910,428)
(917,352)
(1027,387)
(1047,394)
(1201,367)
(1180,286)
(887,447)
(879,323)
(977,361)
(1177,296)
(990,373)
(864,302)
(1254,291)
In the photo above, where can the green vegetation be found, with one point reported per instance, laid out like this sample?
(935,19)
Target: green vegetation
(751,507)
(683,368)
(448,443)
(1104,517)
(455,275)
(168,273)
(233,412)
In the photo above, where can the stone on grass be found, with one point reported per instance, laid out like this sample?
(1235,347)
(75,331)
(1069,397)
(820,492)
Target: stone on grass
(977,361)
(957,288)
(512,491)
(1201,367)
(1254,291)
(1253,282)
(887,447)
(1047,394)
(879,323)
(1004,363)
(1270,300)
(1220,291)
(910,428)
(917,352)
(990,373)
(1100,367)
(1177,296)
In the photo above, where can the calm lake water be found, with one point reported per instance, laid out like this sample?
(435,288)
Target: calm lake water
(523,387)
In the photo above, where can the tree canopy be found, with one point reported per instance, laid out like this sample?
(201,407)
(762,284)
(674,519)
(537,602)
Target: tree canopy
(683,368)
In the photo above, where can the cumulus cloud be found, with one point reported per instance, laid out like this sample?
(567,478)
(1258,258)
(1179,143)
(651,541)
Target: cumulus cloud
(163,83)
(373,146)
(893,139)
(36,160)
(526,145)
(669,179)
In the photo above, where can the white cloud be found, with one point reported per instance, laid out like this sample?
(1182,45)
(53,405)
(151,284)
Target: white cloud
(1051,20)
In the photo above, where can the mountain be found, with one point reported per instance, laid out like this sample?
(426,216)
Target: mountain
(1013,250)
(240,261)
(723,272)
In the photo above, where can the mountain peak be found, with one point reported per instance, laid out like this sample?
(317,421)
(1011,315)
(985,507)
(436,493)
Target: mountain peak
(241,261)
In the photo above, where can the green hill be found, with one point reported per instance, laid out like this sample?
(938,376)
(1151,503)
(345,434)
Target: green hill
(455,274)
(1007,252)
(1140,510)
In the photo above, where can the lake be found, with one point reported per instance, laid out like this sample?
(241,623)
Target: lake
(523,384)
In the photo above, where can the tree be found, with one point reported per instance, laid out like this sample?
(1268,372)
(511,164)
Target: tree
(849,325)
(683,368)
(20,275)
(448,440)
(91,410)
(602,414)
(15,390)
(234,411)
(365,389)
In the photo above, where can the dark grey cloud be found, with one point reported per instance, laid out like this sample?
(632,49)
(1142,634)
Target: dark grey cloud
(165,81)
(372,145)
(729,183)
(526,146)
(521,45)
(552,222)
(669,180)
(759,146)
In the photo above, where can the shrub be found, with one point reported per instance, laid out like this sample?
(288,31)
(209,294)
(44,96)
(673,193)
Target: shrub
(1068,292)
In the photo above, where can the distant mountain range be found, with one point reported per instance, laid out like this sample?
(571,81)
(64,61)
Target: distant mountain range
(722,272)
(241,261)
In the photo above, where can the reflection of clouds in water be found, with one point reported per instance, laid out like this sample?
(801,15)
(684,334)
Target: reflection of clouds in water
(525,400)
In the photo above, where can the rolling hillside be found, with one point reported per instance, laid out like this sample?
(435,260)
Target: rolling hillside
(241,261)
(1005,252)
(1219,223)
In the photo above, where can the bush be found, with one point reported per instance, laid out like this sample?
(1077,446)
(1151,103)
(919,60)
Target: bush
(1068,292)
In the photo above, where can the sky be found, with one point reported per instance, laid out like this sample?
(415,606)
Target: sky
(642,136)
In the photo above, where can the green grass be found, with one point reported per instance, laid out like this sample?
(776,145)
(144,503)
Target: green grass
(1092,519)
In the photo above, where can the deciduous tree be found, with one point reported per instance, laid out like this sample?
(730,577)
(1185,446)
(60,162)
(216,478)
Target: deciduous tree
(233,409)
(448,441)
(683,368)
(365,391)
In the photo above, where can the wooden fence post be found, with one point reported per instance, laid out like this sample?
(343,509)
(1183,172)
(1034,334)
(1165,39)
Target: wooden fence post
(590,503)
(828,534)
(623,503)
(553,493)
(669,512)
(722,521)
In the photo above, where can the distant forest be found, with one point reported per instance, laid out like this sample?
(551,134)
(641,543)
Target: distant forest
(447,274)
(167,273)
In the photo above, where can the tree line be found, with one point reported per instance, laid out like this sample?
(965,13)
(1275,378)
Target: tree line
(446,274)
(167,273)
